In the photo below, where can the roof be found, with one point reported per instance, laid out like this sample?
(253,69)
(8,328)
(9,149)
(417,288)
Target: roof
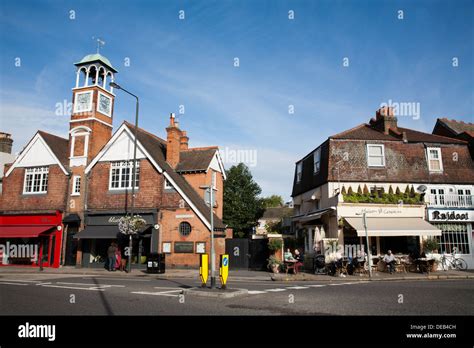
(277,213)
(58,145)
(197,159)
(366,132)
(96,57)
(457,126)
(156,147)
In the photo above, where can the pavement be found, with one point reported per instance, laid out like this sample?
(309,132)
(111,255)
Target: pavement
(243,274)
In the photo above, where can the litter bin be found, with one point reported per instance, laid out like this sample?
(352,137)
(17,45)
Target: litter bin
(155,263)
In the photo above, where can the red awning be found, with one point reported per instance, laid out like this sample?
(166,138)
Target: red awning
(23,231)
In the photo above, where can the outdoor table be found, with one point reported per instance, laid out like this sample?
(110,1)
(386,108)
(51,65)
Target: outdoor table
(424,264)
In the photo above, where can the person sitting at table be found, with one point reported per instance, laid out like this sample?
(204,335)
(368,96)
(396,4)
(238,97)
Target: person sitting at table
(389,260)
(299,260)
(288,256)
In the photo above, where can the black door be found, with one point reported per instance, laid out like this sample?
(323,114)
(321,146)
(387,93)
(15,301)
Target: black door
(238,251)
(259,254)
(71,246)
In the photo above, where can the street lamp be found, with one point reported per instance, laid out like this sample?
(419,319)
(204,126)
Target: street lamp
(134,166)
(369,261)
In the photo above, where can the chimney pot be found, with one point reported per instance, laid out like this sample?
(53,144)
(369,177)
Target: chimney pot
(6,143)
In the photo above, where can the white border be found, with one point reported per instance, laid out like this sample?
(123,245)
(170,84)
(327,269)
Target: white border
(109,114)
(438,149)
(89,109)
(383,155)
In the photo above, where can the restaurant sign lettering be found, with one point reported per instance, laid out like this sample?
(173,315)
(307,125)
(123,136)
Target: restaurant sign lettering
(450,215)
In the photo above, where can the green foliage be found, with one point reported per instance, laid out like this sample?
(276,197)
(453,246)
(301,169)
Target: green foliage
(272,201)
(274,226)
(275,244)
(384,198)
(350,192)
(397,191)
(272,260)
(242,207)
(390,190)
(430,244)
(359,190)
(412,192)
(407,190)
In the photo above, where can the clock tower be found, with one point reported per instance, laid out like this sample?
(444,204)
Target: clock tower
(92,109)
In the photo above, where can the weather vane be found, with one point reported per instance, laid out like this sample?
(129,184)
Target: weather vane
(100,43)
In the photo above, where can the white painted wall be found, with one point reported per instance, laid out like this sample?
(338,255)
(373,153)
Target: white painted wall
(121,149)
(37,155)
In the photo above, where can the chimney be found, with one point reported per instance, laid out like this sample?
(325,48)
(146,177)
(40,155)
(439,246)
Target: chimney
(183,141)
(6,143)
(385,120)
(173,142)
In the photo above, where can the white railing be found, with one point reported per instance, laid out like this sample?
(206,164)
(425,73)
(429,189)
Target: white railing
(450,200)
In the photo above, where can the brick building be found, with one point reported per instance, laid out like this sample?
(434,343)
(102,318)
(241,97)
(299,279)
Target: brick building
(398,177)
(81,185)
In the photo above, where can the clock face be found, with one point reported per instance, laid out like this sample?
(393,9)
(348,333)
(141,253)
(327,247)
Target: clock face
(83,102)
(104,104)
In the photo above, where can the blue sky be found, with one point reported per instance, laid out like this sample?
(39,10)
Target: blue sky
(283,62)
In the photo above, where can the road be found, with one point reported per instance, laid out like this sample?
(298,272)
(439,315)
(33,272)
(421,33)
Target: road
(36,294)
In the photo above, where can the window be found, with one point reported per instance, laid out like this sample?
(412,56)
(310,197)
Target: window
(214,180)
(317,160)
(76,186)
(299,171)
(453,235)
(185,228)
(168,185)
(121,175)
(376,155)
(36,180)
(435,163)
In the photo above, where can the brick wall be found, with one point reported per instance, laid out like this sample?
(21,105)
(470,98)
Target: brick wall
(202,179)
(13,199)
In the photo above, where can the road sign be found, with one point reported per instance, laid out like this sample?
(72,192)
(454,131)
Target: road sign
(204,269)
(224,270)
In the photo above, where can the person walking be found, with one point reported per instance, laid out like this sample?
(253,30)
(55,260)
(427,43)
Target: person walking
(111,256)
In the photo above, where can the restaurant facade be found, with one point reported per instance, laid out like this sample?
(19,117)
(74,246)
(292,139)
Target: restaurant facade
(398,178)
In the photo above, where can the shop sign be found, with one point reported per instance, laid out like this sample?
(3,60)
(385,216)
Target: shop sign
(453,215)
(113,219)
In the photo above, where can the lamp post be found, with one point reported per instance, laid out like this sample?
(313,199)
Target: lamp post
(213,252)
(134,166)
(369,261)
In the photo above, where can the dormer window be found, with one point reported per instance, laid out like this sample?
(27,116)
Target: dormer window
(317,160)
(435,162)
(299,171)
(375,155)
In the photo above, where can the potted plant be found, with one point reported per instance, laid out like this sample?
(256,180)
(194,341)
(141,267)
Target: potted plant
(431,247)
(274,264)
(275,244)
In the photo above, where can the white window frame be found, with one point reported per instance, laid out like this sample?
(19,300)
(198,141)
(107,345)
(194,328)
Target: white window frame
(98,104)
(32,171)
(299,171)
(76,185)
(317,155)
(90,104)
(382,146)
(121,165)
(440,159)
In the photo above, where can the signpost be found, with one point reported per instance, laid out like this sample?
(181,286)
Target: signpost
(224,270)
(204,269)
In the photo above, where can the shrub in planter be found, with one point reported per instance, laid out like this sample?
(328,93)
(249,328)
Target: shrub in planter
(274,264)
(275,244)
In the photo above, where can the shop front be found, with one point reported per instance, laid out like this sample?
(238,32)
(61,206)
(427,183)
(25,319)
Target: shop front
(31,239)
(456,227)
(399,228)
(101,230)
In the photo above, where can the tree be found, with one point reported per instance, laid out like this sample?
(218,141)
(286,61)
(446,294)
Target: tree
(272,201)
(242,207)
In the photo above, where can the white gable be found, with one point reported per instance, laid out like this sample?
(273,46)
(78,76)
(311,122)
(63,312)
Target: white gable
(121,149)
(37,155)
(215,164)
